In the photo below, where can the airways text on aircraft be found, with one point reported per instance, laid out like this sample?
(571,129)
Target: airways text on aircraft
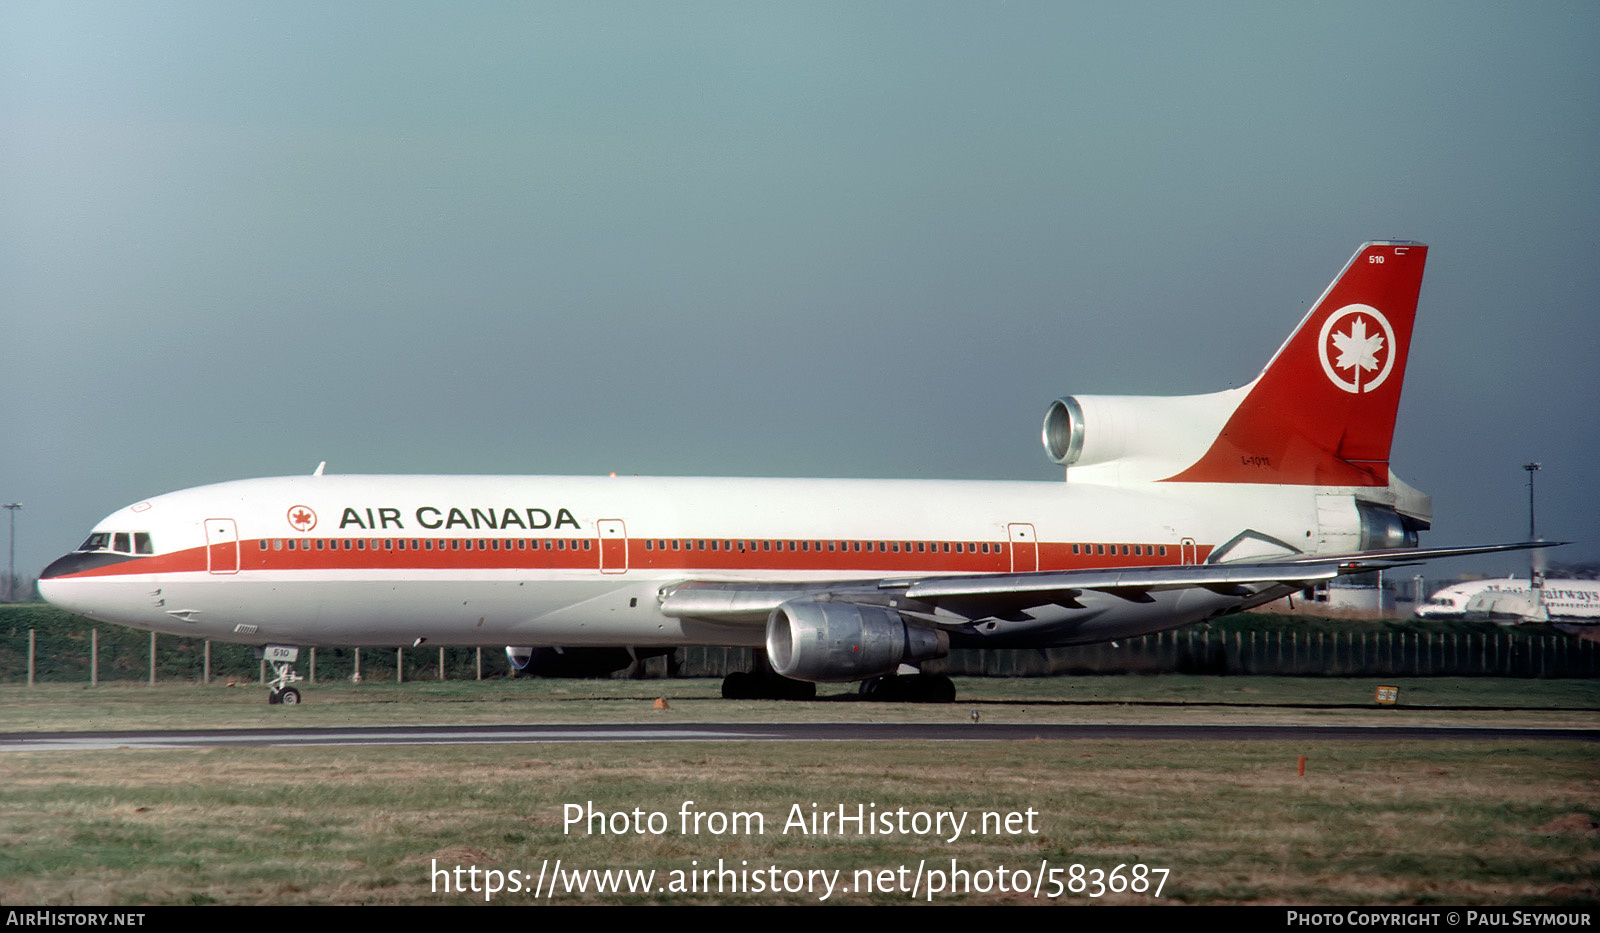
(428,516)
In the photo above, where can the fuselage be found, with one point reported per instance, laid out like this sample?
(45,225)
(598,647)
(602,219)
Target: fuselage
(496,560)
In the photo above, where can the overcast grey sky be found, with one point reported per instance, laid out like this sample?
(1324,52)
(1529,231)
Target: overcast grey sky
(831,239)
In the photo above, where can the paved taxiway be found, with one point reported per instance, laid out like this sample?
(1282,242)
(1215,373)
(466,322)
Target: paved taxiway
(762,732)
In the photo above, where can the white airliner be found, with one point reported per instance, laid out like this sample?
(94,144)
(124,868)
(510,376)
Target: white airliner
(1173,510)
(1571,601)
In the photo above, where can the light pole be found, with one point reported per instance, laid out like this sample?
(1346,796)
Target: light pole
(11,562)
(1535,578)
(1532,468)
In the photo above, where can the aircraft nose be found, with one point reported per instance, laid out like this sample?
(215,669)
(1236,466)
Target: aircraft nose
(77,563)
(59,567)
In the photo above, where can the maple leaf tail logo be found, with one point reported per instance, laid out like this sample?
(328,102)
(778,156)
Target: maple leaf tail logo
(1358,351)
(1366,357)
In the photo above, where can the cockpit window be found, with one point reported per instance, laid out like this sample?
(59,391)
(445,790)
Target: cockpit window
(119,542)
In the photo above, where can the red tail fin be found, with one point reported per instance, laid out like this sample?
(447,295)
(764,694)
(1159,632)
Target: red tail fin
(1322,412)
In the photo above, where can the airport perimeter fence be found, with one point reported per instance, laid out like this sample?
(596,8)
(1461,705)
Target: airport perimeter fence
(68,649)
(1289,654)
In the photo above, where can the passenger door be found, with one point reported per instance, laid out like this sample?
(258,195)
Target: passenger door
(222,545)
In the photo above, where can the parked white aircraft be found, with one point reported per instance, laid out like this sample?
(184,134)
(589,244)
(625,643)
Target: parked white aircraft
(1174,510)
(1510,598)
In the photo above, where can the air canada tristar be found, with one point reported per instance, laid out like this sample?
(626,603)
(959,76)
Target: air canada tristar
(1173,511)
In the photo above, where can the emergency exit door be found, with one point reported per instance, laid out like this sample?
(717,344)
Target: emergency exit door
(1024,548)
(613,545)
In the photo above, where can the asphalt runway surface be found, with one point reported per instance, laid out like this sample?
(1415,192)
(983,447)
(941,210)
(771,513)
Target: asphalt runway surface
(762,732)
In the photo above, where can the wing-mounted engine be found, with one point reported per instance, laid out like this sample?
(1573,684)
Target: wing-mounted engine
(1115,439)
(834,642)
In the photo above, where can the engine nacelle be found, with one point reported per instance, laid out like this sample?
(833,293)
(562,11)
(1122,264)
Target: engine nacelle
(837,642)
(1147,437)
(1346,524)
(1383,527)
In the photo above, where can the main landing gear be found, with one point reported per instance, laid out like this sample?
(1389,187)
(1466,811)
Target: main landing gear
(763,683)
(909,688)
(906,685)
(282,659)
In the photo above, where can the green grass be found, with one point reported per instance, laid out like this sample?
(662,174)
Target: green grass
(1486,823)
(1122,698)
(1457,823)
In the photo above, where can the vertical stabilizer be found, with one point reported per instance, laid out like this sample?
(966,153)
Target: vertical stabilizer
(1322,413)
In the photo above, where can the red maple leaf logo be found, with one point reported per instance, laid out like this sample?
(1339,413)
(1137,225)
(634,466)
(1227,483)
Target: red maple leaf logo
(302,518)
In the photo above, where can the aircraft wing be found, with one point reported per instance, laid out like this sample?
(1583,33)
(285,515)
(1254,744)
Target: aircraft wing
(955,600)
(958,599)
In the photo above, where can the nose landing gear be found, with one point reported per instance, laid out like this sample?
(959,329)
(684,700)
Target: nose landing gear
(282,658)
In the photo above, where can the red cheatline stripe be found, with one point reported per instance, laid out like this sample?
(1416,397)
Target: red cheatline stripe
(505,554)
